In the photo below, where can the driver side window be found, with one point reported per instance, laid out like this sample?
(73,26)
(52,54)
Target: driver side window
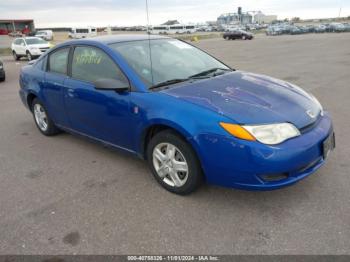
(90,64)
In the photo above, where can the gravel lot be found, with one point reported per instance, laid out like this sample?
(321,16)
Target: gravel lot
(66,195)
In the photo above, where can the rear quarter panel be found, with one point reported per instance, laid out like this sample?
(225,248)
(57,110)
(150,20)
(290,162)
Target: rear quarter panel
(31,80)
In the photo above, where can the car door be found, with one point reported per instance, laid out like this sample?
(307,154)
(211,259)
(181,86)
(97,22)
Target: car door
(101,114)
(20,47)
(53,87)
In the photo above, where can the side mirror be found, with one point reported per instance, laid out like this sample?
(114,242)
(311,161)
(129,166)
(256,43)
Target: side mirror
(111,84)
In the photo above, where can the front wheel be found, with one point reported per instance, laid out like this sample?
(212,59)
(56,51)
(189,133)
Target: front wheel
(174,163)
(42,119)
(29,56)
(15,56)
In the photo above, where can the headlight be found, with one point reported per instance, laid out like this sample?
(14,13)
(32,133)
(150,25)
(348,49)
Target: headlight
(317,102)
(267,134)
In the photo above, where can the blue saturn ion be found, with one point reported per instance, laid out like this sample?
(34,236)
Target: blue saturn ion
(192,117)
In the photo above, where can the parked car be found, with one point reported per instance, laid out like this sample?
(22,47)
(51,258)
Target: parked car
(238,34)
(274,30)
(30,47)
(2,72)
(337,27)
(346,27)
(320,29)
(15,34)
(294,30)
(192,117)
(45,34)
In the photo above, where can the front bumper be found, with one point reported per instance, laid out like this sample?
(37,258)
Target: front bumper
(232,162)
(37,52)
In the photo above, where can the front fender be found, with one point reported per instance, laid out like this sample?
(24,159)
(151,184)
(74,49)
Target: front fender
(187,119)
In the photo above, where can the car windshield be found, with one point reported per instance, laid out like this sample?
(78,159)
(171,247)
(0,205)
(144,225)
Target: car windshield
(171,60)
(35,41)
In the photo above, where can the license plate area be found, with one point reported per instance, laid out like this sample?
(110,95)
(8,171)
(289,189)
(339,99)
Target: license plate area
(328,145)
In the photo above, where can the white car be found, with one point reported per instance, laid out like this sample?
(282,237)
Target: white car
(45,34)
(30,47)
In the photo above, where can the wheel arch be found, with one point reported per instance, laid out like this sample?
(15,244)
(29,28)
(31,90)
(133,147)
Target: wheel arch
(157,126)
(30,98)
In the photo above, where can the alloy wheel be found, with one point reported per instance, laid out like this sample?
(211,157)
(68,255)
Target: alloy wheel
(170,164)
(40,117)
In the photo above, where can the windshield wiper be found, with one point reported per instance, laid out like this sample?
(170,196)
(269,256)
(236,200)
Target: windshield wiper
(198,76)
(209,71)
(169,82)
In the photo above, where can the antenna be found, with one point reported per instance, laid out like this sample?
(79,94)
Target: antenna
(149,41)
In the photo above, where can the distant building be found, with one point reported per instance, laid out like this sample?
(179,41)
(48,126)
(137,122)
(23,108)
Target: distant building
(260,18)
(171,22)
(235,18)
(12,25)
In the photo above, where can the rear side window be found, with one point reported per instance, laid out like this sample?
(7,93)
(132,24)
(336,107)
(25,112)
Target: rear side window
(58,61)
(91,64)
(82,31)
(19,41)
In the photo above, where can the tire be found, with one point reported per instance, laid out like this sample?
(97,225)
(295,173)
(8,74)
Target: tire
(3,79)
(29,56)
(184,157)
(244,37)
(15,56)
(47,127)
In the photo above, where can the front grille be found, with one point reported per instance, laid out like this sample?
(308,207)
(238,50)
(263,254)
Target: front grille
(44,49)
(274,177)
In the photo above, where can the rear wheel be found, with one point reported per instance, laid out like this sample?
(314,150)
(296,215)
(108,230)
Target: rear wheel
(42,119)
(174,163)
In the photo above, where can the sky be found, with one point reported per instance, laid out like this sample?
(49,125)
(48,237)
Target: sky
(68,13)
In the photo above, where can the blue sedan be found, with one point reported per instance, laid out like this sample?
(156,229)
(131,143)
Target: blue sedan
(192,117)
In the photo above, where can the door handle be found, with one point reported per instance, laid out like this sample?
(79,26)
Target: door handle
(70,92)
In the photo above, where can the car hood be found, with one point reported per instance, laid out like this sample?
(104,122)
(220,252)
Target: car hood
(249,98)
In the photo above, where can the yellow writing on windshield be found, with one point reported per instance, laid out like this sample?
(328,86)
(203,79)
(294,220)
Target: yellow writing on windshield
(88,59)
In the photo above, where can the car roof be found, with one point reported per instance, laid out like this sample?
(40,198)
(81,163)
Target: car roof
(110,39)
(28,37)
